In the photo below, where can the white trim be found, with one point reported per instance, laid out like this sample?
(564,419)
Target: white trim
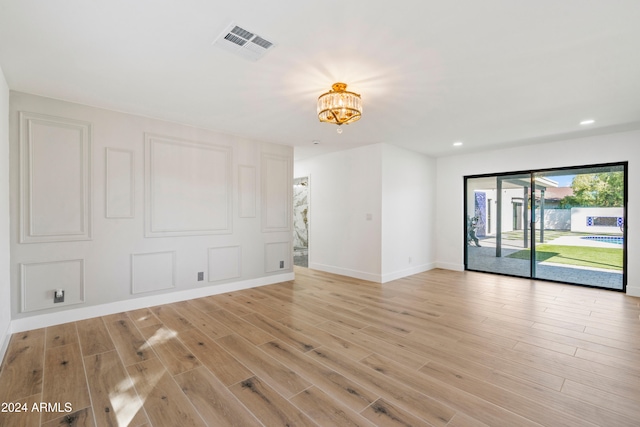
(238,265)
(23,284)
(266,203)
(6,336)
(633,291)
(347,272)
(309,219)
(132,189)
(133,271)
(151,229)
(27,234)
(44,320)
(407,272)
(247,191)
(449,266)
(288,257)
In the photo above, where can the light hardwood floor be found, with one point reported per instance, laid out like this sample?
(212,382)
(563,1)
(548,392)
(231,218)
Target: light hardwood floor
(440,348)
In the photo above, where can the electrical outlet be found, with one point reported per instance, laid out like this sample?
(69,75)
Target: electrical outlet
(281,264)
(200,276)
(58,296)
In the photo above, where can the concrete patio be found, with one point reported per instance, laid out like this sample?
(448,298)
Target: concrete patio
(484,259)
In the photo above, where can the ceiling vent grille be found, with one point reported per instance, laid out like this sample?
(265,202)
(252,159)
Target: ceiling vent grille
(242,42)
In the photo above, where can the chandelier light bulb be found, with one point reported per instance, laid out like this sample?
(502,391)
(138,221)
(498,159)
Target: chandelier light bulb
(339,130)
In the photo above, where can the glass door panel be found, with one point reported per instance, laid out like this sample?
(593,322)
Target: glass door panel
(497,230)
(579,226)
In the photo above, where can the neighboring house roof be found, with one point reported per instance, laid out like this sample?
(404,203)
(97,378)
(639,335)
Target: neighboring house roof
(557,193)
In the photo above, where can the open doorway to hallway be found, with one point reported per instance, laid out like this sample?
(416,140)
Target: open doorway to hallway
(301,221)
(565,224)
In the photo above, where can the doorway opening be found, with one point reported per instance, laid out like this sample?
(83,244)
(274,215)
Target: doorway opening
(564,225)
(301,221)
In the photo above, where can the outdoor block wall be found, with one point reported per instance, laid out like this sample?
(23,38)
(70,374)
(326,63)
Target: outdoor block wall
(593,220)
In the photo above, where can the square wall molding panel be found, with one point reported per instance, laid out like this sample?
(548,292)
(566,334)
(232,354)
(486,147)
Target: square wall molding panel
(153,271)
(224,263)
(39,280)
(55,179)
(188,187)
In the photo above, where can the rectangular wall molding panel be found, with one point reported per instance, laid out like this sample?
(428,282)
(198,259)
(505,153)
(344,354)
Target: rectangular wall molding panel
(55,179)
(39,280)
(224,263)
(247,191)
(153,271)
(188,187)
(277,189)
(119,183)
(277,254)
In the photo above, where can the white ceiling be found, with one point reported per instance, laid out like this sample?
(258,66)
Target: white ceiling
(488,73)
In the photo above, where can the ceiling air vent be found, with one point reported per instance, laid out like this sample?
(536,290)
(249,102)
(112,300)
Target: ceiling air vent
(242,42)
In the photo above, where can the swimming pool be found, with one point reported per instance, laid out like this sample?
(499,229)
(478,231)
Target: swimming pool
(618,240)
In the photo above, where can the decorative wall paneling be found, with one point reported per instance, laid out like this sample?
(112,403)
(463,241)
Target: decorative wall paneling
(55,179)
(119,183)
(247,192)
(153,271)
(224,263)
(277,256)
(277,188)
(39,280)
(188,187)
(193,183)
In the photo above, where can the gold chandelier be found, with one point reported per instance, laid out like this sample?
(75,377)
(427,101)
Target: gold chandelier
(339,106)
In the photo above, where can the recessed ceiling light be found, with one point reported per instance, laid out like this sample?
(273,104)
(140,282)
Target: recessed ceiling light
(315,142)
(457,143)
(587,122)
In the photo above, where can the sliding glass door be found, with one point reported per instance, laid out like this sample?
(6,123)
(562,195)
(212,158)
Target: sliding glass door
(497,223)
(565,225)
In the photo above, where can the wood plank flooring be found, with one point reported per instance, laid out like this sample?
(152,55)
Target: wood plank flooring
(440,348)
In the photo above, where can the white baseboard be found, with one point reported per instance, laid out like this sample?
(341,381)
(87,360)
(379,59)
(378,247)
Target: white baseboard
(372,277)
(407,272)
(6,336)
(633,291)
(450,266)
(73,315)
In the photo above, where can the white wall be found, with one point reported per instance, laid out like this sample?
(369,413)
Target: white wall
(575,152)
(579,220)
(5,286)
(345,203)
(557,219)
(408,212)
(122,255)
(371,209)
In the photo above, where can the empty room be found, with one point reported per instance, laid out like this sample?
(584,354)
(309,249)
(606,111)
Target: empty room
(319,213)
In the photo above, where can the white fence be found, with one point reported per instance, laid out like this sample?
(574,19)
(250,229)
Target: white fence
(557,219)
(585,220)
(597,220)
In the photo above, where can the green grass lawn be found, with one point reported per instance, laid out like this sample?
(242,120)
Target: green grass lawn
(548,234)
(608,258)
